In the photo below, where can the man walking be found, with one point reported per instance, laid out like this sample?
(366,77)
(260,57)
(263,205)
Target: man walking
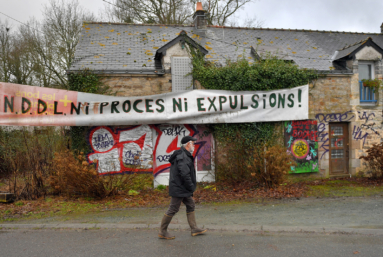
(182,184)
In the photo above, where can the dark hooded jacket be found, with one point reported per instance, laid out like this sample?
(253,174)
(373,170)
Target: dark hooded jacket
(183,180)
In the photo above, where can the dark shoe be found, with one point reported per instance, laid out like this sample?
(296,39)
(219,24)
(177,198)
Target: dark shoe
(164,234)
(195,231)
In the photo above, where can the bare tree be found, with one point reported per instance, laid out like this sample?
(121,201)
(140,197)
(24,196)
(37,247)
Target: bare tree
(42,74)
(56,37)
(5,49)
(221,12)
(15,57)
(20,61)
(150,11)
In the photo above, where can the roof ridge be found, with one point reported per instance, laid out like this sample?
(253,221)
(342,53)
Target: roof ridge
(135,24)
(357,43)
(230,27)
(298,30)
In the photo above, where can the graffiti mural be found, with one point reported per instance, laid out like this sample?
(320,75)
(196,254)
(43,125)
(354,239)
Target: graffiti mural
(301,141)
(145,148)
(168,139)
(123,150)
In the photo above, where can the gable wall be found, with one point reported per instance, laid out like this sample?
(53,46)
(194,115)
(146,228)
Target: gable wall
(176,51)
(368,53)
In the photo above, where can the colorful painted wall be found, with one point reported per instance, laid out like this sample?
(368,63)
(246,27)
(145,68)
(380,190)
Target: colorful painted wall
(145,148)
(119,150)
(168,139)
(301,141)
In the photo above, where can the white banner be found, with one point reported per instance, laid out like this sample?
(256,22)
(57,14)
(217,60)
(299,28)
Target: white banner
(27,105)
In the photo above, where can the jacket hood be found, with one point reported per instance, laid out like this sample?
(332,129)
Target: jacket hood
(177,152)
(174,155)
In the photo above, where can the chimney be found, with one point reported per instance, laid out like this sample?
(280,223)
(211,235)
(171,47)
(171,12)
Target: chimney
(381,28)
(200,18)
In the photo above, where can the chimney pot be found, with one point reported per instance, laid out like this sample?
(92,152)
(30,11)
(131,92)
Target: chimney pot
(381,28)
(199,7)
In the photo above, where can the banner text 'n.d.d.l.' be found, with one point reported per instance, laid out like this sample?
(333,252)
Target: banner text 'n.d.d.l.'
(36,106)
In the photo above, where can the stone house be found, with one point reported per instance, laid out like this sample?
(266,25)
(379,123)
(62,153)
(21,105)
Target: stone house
(146,59)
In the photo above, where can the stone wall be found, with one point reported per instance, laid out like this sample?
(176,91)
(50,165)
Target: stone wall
(335,98)
(328,94)
(139,85)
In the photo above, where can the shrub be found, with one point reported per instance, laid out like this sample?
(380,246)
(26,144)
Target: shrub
(26,156)
(374,161)
(240,145)
(73,176)
(271,165)
(37,162)
(161,187)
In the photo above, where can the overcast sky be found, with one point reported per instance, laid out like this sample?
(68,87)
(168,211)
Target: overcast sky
(335,15)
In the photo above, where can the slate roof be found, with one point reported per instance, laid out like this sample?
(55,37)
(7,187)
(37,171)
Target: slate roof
(349,49)
(115,47)
(352,49)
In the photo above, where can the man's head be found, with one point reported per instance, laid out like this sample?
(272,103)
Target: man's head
(188,143)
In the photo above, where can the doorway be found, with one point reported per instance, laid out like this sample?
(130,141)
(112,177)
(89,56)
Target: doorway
(338,148)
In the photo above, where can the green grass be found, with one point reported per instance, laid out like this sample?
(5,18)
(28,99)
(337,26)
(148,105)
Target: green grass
(56,210)
(343,189)
(340,182)
(296,178)
(48,199)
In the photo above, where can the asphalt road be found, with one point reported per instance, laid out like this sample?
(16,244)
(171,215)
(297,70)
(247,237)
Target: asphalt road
(340,213)
(123,242)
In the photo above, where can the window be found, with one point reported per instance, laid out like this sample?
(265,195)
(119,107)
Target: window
(366,71)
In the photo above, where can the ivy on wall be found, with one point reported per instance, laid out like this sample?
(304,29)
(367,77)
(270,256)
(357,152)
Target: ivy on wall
(262,75)
(242,141)
(88,82)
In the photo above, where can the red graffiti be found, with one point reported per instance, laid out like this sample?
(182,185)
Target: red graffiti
(337,141)
(303,124)
(311,135)
(110,141)
(169,143)
(173,145)
(158,167)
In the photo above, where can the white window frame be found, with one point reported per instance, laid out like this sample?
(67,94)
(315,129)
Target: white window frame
(372,67)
